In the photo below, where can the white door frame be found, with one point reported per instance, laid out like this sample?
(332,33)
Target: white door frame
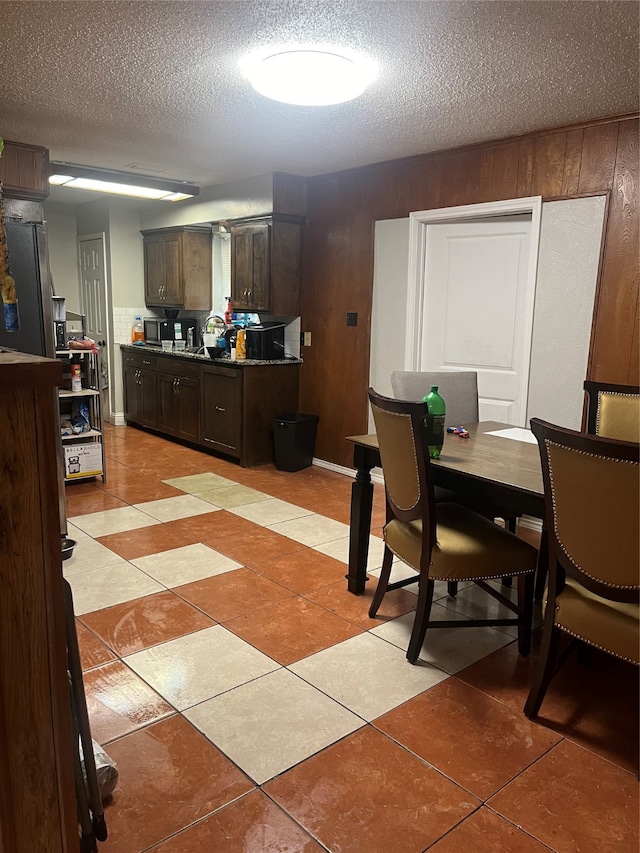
(419,221)
(81,238)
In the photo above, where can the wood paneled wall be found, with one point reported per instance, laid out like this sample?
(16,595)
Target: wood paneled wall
(599,157)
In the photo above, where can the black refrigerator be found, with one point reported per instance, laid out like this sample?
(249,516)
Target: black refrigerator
(29,265)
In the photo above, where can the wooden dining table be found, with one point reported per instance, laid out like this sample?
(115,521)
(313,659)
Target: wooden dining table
(502,471)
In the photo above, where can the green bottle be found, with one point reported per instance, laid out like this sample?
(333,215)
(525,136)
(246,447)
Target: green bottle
(436,410)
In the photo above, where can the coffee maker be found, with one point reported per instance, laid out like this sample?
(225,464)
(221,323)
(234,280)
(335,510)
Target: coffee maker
(59,322)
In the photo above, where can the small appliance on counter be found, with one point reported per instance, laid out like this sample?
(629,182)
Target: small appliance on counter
(157,330)
(265,342)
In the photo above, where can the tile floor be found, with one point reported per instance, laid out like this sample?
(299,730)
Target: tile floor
(252,706)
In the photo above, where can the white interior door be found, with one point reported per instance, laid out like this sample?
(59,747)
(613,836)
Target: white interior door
(93,299)
(478,308)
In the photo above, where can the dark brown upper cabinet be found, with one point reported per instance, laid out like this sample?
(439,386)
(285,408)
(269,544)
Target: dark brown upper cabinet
(177,268)
(24,171)
(265,264)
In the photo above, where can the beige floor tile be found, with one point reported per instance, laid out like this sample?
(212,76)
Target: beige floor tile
(96,589)
(311,529)
(89,554)
(196,483)
(477,604)
(339,549)
(233,495)
(269,512)
(185,565)
(113,521)
(190,669)
(272,723)
(171,509)
(450,649)
(367,675)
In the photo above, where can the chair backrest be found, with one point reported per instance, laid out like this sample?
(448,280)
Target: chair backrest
(400,427)
(613,411)
(459,388)
(592,495)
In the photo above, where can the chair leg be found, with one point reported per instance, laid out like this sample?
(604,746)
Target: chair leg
(383,582)
(452,587)
(425,597)
(525,612)
(507,581)
(511,524)
(545,669)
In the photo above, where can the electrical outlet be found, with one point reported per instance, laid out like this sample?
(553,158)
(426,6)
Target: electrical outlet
(306,339)
(352,318)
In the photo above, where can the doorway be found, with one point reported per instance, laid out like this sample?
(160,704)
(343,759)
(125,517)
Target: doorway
(472,281)
(93,302)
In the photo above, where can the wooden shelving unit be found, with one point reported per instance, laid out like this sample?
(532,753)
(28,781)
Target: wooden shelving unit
(83,453)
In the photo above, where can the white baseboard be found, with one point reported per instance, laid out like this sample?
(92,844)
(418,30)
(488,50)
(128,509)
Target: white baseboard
(117,419)
(376,478)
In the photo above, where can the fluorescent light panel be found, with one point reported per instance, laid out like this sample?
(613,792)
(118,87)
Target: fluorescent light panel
(119,183)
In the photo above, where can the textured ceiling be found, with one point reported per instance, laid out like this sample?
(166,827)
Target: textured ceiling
(156,84)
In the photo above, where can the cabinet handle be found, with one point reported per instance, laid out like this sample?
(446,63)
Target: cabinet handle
(220,409)
(145,362)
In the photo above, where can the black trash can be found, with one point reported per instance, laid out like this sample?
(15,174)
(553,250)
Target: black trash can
(294,438)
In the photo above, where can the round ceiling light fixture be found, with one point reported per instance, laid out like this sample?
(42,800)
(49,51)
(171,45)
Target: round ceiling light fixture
(310,76)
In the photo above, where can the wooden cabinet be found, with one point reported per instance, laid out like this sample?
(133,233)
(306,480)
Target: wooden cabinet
(265,264)
(221,409)
(38,810)
(224,408)
(140,392)
(177,268)
(24,171)
(179,398)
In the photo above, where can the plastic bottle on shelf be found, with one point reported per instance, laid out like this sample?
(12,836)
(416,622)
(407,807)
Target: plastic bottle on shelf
(436,410)
(137,331)
(76,378)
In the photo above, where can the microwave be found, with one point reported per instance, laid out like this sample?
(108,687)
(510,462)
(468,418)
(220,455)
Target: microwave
(265,342)
(157,330)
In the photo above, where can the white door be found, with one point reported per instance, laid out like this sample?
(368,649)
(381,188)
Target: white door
(93,299)
(478,308)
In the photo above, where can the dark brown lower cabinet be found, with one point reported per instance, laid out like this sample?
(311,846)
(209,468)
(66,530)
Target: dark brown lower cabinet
(226,409)
(178,406)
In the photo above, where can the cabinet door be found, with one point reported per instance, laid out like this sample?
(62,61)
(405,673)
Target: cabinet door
(250,266)
(188,391)
(221,409)
(148,414)
(173,280)
(168,413)
(154,270)
(131,395)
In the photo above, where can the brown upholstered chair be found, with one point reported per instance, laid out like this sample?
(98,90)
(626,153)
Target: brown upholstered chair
(444,541)
(459,388)
(613,411)
(592,493)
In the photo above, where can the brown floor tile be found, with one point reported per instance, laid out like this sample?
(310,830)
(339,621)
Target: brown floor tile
(214,526)
(355,608)
(507,677)
(574,800)
(301,571)
(93,651)
(98,501)
(252,824)
(471,738)
(486,832)
(233,594)
(145,622)
(612,731)
(138,493)
(132,544)
(170,777)
(119,701)
(292,629)
(366,794)
(253,548)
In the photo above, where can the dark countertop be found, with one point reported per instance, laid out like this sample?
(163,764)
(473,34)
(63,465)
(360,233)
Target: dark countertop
(190,354)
